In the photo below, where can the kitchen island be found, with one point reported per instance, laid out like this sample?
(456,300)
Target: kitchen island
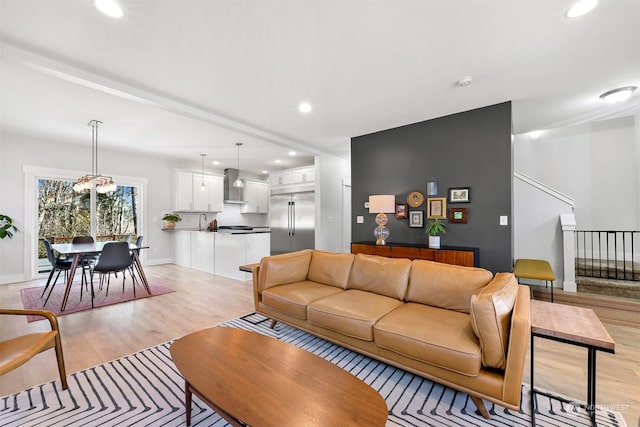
(223,251)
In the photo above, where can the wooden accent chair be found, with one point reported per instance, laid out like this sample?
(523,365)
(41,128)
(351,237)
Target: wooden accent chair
(17,351)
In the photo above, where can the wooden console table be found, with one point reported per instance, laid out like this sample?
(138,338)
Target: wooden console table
(468,257)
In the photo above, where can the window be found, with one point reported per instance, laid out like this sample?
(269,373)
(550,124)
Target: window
(63,214)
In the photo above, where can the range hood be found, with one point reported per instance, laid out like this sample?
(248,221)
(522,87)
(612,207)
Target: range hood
(231,193)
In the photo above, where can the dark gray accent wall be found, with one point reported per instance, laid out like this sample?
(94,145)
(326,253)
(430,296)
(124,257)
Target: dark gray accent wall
(468,149)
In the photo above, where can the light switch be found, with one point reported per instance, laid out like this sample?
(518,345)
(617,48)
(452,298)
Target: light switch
(360,219)
(504,220)
(366,205)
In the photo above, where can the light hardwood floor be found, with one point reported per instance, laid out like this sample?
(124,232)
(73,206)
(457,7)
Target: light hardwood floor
(202,300)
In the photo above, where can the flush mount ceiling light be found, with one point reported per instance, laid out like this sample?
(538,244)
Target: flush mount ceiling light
(618,95)
(304,107)
(465,81)
(109,8)
(580,8)
(292,153)
(238,182)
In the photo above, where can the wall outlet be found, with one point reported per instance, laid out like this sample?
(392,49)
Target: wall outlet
(504,220)
(360,219)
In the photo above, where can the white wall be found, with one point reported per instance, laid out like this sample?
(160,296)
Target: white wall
(17,150)
(330,173)
(596,164)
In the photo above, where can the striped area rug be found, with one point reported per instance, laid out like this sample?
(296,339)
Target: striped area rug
(145,389)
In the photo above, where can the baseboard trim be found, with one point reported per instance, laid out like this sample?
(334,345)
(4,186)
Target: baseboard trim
(4,280)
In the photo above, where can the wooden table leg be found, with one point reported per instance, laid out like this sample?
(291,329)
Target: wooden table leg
(72,272)
(143,277)
(187,401)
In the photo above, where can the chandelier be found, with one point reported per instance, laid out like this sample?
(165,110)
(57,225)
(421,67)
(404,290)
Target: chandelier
(104,184)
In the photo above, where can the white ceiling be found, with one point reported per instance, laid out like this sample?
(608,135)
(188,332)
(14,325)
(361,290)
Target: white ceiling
(180,78)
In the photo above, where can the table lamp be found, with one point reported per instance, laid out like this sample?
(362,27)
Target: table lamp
(382,204)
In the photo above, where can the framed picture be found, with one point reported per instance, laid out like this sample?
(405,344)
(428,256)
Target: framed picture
(401,210)
(416,219)
(458,215)
(459,195)
(437,207)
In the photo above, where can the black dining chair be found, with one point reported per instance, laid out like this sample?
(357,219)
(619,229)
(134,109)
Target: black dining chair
(86,261)
(57,264)
(115,258)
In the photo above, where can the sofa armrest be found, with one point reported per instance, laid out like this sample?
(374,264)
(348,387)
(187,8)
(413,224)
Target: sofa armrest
(519,337)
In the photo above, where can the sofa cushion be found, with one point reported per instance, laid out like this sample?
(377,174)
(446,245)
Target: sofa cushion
(330,268)
(491,318)
(445,285)
(437,336)
(283,269)
(381,275)
(352,312)
(293,298)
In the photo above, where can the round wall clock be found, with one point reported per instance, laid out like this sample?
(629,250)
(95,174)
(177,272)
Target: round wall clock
(415,199)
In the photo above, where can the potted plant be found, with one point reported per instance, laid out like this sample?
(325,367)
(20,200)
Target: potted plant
(7,229)
(434,229)
(170,220)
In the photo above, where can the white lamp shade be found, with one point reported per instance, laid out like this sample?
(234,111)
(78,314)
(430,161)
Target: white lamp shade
(382,204)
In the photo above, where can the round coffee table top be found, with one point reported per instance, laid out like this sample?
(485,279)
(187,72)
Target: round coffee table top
(260,380)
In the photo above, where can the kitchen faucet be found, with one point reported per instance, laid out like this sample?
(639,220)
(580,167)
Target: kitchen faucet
(200,221)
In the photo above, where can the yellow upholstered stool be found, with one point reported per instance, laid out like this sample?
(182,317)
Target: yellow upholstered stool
(534,269)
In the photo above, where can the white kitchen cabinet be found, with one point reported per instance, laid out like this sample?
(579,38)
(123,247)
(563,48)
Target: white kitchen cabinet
(202,251)
(209,200)
(282,177)
(256,197)
(229,255)
(304,175)
(182,248)
(183,199)
(189,198)
(257,246)
(234,250)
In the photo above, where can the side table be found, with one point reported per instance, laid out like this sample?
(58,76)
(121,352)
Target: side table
(570,325)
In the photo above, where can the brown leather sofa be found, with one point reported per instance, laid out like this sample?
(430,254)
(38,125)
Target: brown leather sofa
(462,327)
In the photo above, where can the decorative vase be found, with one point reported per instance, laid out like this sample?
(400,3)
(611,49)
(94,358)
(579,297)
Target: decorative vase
(434,242)
(169,225)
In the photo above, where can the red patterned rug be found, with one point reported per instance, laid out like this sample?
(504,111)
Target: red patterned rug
(31,296)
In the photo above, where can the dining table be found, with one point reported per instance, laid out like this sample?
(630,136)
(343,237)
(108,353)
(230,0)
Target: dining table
(78,250)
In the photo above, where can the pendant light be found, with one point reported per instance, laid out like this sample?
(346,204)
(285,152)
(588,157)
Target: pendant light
(104,184)
(202,185)
(238,182)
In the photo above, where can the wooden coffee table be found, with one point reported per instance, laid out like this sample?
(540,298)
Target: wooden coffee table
(252,379)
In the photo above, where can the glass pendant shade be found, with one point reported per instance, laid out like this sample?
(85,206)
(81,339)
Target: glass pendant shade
(238,182)
(203,187)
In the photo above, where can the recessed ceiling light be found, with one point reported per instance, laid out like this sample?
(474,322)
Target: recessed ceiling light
(278,161)
(618,95)
(304,107)
(292,153)
(265,171)
(109,7)
(215,162)
(580,8)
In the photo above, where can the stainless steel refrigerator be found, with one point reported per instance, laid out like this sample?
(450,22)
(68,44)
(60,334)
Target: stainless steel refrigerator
(292,222)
